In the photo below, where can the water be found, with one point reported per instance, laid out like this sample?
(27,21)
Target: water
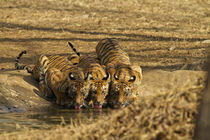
(19,121)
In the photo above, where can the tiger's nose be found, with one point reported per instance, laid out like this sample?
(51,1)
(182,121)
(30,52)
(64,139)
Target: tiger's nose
(97,105)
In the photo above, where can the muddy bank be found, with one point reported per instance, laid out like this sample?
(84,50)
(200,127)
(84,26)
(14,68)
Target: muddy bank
(19,92)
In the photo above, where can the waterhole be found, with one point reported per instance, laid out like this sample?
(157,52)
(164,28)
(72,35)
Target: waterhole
(21,121)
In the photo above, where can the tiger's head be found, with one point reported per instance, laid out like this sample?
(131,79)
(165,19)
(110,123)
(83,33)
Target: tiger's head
(99,83)
(78,86)
(70,86)
(125,80)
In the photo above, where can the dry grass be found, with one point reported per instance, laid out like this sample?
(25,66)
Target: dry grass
(147,29)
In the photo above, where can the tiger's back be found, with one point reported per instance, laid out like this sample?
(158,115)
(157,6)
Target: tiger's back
(109,52)
(54,61)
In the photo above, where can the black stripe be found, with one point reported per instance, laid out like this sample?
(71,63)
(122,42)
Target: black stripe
(119,74)
(67,91)
(109,50)
(73,48)
(17,60)
(54,60)
(44,62)
(58,62)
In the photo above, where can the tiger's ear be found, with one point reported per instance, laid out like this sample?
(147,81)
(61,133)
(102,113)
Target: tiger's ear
(90,75)
(74,59)
(137,69)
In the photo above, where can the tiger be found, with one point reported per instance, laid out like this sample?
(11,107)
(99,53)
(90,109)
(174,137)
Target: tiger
(125,77)
(58,76)
(99,78)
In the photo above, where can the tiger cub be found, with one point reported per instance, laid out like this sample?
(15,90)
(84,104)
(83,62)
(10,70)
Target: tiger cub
(99,79)
(125,77)
(58,76)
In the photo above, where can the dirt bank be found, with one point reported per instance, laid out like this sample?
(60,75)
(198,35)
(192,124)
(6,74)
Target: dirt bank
(19,93)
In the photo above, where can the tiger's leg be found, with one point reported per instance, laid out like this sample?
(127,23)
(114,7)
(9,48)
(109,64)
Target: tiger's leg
(60,98)
(47,92)
(54,78)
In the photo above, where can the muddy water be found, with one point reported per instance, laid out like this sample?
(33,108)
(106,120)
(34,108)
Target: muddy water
(20,121)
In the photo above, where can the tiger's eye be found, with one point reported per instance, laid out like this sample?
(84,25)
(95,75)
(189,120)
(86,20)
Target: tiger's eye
(106,76)
(71,76)
(86,77)
(132,79)
(116,77)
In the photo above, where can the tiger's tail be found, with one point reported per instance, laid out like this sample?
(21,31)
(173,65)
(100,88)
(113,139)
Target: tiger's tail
(74,49)
(17,67)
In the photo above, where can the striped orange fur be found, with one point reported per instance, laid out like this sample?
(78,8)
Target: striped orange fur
(99,79)
(125,77)
(58,76)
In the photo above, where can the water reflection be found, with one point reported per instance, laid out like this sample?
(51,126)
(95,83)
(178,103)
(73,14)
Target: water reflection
(10,122)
